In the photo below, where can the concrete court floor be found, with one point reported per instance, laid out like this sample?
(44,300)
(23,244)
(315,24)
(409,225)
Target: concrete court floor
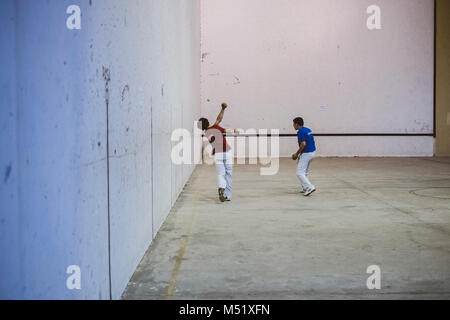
(270,242)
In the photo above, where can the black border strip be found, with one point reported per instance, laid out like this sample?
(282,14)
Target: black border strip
(434,71)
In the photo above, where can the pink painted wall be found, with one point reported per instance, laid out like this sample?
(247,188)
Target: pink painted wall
(273,60)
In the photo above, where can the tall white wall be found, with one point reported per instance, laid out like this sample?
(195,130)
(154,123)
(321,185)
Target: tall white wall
(274,60)
(142,59)
(9,175)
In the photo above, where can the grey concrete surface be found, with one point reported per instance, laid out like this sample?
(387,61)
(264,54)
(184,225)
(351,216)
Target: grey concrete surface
(270,242)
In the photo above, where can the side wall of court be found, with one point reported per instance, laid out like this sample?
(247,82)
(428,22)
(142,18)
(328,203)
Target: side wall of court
(85,132)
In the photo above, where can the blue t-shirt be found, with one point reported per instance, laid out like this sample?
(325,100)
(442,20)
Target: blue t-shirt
(305,134)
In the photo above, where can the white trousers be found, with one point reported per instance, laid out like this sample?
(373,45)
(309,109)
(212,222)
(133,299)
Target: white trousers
(224,168)
(303,170)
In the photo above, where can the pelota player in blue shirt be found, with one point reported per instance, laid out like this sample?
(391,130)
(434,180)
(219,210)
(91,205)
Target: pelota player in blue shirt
(305,153)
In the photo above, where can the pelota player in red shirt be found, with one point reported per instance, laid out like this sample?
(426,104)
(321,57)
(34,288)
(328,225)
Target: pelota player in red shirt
(222,153)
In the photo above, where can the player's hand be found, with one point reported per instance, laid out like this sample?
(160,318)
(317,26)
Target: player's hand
(224,106)
(294,156)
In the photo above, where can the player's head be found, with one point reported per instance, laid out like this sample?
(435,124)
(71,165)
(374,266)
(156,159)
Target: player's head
(203,123)
(298,123)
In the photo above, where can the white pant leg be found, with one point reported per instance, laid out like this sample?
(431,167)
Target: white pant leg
(220,168)
(309,166)
(228,174)
(304,188)
(307,175)
(301,183)
(303,170)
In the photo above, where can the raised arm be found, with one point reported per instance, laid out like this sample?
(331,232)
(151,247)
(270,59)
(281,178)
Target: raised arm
(220,116)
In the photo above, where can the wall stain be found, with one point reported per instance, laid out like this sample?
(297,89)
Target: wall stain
(107,78)
(7,173)
(126,88)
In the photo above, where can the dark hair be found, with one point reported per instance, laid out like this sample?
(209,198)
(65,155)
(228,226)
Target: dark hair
(204,123)
(299,121)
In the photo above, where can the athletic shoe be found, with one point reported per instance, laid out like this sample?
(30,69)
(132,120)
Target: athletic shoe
(302,191)
(308,192)
(221,196)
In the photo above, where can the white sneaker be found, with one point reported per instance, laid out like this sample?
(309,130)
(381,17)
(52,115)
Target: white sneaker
(302,191)
(308,192)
